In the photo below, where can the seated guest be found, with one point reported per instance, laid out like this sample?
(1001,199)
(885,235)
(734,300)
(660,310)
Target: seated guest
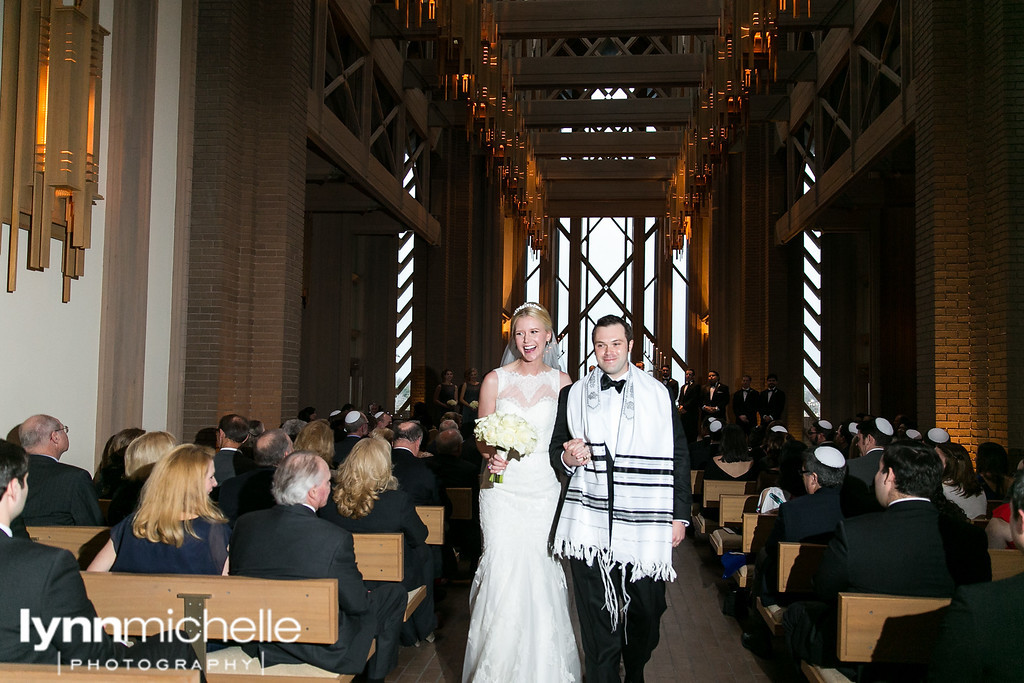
(410,468)
(288,541)
(356,427)
(384,434)
(46,583)
(959,483)
(232,432)
(366,500)
(909,549)
(992,468)
(61,495)
(858,495)
(142,455)
(707,446)
(110,472)
(318,437)
(177,528)
(251,491)
(734,461)
(293,426)
(982,632)
(810,519)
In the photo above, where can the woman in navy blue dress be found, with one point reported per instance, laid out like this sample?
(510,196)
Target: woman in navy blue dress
(177,528)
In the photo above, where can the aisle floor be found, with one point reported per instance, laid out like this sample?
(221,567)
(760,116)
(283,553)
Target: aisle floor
(698,642)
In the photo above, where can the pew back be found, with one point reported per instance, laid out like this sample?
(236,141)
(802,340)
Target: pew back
(82,541)
(798,563)
(1006,563)
(433,517)
(888,628)
(756,530)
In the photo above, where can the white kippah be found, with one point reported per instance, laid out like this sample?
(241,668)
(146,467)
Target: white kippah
(714,426)
(351,417)
(853,427)
(829,457)
(883,426)
(334,412)
(377,415)
(914,434)
(824,424)
(780,429)
(938,435)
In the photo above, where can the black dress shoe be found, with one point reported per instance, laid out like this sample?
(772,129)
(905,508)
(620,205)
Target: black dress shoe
(757,644)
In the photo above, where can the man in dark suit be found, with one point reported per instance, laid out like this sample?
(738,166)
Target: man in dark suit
(658,473)
(411,471)
(983,630)
(689,404)
(47,583)
(289,541)
(744,406)
(670,384)
(858,495)
(229,461)
(356,427)
(909,549)
(772,400)
(811,519)
(714,398)
(251,491)
(62,495)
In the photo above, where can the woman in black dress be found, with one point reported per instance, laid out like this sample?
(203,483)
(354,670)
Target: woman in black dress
(469,395)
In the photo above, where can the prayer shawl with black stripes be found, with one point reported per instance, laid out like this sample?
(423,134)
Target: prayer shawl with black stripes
(640,473)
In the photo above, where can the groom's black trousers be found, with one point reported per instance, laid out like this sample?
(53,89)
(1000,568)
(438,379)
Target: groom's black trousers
(602,647)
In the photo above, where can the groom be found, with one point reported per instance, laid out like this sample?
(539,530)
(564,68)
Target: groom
(627,504)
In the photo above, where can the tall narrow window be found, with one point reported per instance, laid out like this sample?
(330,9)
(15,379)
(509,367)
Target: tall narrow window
(680,307)
(403,328)
(812,324)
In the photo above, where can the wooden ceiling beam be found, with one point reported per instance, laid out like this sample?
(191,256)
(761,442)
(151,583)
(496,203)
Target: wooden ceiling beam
(618,207)
(575,19)
(646,111)
(654,71)
(660,144)
(606,169)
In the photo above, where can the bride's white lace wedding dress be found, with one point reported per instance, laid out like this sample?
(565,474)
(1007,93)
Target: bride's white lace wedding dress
(519,626)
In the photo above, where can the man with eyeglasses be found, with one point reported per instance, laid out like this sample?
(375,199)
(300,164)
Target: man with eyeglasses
(821,433)
(61,494)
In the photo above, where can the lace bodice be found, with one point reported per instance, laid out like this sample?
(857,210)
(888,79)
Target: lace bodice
(535,399)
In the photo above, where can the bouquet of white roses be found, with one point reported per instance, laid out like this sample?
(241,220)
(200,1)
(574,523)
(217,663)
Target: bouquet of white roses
(452,402)
(507,432)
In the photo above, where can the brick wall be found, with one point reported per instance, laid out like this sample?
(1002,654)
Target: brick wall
(968,69)
(245,255)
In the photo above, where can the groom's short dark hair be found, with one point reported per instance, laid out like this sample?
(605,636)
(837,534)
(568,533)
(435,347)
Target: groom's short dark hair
(608,321)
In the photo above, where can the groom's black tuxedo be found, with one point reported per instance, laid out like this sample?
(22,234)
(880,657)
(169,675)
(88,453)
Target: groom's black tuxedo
(633,642)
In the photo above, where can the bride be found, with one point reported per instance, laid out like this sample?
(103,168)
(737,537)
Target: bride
(519,627)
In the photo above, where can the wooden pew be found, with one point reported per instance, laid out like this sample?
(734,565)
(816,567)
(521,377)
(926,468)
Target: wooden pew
(84,542)
(713,491)
(1006,563)
(462,502)
(798,563)
(756,530)
(883,628)
(144,604)
(696,490)
(380,557)
(433,517)
(104,507)
(731,508)
(47,672)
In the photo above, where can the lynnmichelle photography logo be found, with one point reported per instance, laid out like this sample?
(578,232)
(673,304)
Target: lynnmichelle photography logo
(41,634)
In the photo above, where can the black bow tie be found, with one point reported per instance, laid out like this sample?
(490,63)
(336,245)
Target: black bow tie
(607,383)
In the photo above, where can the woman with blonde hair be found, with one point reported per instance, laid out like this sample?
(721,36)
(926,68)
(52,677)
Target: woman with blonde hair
(177,528)
(367,499)
(140,457)
(318,437)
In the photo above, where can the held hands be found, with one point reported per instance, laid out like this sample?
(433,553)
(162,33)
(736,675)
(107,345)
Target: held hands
(576,453)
